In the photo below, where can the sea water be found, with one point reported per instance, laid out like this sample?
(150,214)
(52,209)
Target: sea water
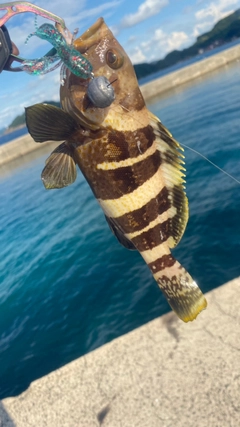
(67,286)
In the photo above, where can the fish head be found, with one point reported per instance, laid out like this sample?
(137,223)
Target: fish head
(107,57)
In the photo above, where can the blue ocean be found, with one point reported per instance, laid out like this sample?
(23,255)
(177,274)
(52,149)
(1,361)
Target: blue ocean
(13,135)
(67,286)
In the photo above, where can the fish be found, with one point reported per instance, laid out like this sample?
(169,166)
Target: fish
(132,163)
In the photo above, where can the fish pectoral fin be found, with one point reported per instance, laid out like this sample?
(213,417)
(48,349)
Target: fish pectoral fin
(48,123)
(119,234)
(60,170)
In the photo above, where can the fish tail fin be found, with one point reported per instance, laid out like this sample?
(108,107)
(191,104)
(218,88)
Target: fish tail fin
(181,291)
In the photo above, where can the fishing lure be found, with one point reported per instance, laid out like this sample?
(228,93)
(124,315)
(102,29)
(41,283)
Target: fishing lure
(40,66)
(100,91)
(67,54)
(6,56)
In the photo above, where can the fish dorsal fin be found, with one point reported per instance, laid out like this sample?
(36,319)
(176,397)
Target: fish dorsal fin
(60,170)
(119,234)
(173,177)
(48,123)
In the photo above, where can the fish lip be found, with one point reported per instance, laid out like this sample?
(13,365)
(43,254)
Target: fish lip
(89,37)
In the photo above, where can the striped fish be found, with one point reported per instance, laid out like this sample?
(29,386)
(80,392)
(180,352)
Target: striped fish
(131,161)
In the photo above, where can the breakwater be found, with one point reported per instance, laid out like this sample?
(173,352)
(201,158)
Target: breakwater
(20,147)
(25,144)
(191,72)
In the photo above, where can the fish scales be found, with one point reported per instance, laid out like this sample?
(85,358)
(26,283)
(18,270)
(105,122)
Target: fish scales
(130,160)
(125,178)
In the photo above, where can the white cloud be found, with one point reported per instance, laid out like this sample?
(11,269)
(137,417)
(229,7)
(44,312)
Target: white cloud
(92,12)
(200,28)
(8,114)
(37,89)
(216,10)
(72,11)
(147,9)
(162,43)
(64,9)
(176,40)
(136,55)
(211,14)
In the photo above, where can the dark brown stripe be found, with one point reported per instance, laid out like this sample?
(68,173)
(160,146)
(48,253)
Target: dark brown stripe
(153,237)
(114,146)
(112,184)
(140,218)
(161,263)
(125,143)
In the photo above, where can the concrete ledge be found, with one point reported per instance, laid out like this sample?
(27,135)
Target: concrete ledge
(20,147)
(164,374)
(191,72)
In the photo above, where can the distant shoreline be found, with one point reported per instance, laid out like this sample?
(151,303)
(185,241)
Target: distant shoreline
(25,144)
(11,130)
(191,72)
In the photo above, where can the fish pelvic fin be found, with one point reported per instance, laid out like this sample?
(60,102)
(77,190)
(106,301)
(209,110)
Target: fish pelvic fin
(49,123)
(120,236)
(181,291)
(60,170)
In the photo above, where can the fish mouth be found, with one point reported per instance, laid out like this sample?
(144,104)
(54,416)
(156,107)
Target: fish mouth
(73,93)
(91,36)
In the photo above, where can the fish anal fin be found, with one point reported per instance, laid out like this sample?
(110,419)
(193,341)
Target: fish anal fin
(119,234)
(60,169)
(173,174)
(49,123)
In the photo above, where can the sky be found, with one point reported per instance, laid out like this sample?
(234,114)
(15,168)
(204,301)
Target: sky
(147,30)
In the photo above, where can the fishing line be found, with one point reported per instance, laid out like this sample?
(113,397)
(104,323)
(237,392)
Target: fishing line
(110,83)
(193,150)
(205,158)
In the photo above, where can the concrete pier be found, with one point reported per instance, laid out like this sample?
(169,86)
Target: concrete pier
(191,72)
(163,374)
(20,147)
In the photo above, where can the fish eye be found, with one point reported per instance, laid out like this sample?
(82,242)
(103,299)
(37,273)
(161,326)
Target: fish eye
(114,59)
